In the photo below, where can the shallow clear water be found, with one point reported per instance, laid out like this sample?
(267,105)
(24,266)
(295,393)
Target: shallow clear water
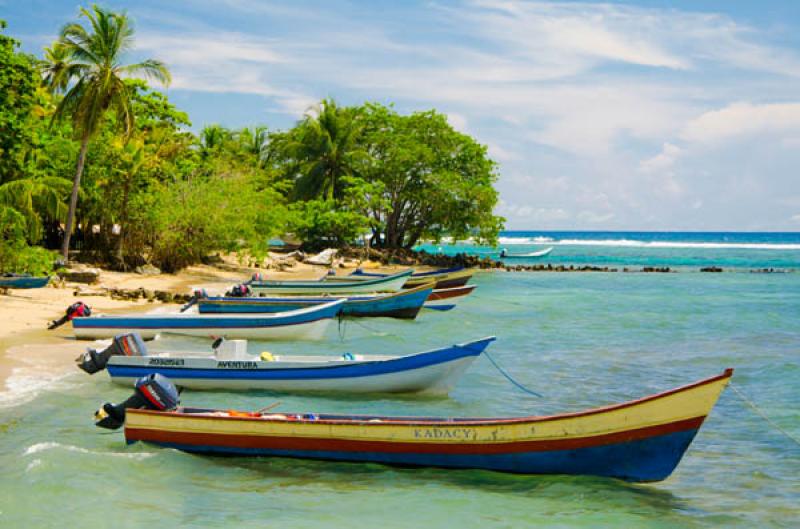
(580,339)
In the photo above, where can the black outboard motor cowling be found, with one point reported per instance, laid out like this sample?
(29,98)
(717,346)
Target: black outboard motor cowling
(129,344)
(239,291)
(152,392)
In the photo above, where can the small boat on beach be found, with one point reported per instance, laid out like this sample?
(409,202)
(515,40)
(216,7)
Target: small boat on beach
(404,304)
(22,281)
(446,298)
(442,277)
(231,368)
(391,283)
(529,255)
(641,441)
(303,324)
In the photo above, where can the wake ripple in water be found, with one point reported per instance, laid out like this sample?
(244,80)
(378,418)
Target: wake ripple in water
(24,384)
(51,445)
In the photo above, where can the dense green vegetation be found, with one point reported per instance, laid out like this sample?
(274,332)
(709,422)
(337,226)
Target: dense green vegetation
(81,138)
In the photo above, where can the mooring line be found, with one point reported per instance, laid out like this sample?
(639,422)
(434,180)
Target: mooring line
(763,415)
(509,377)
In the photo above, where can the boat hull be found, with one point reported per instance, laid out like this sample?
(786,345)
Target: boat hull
(449,278)
(642,440)
(305,324)
(23,282)
(392,283)
(433,372)
(447,298)
(405,304)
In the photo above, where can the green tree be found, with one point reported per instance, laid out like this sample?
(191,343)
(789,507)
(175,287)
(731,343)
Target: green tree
(321,150)
(18,83)
(435,181)
(94,80)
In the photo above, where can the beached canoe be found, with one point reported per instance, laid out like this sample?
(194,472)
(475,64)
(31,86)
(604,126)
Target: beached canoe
(23,281)
(447,298)
(320,287)
(431,372)
(304,324)
(404,304)
(442,278)
(641,440)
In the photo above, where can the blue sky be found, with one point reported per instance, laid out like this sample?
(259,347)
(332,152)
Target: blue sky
(639,115)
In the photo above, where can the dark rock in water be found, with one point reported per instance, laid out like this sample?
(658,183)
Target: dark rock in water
(711,269)
(656,269)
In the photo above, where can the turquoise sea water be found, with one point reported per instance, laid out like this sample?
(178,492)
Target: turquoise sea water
(730,250)
(581,339)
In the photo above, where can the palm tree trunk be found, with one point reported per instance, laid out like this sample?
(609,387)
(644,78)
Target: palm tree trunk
(73,200)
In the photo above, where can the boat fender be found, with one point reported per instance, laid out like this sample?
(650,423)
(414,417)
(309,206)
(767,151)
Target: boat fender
(79,309)
(128,344)
(266,356)
(152,392)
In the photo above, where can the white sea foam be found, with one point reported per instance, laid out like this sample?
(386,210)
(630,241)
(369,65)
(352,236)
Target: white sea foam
(24,384)
(52,445)
(648,244)
(524,240)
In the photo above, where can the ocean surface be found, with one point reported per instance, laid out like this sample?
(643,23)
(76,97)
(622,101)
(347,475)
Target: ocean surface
(730,250)
(580,339)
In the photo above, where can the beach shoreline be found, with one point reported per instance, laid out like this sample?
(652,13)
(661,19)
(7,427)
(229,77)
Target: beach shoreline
(28,351)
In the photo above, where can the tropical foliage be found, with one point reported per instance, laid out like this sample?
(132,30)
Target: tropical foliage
(88,149)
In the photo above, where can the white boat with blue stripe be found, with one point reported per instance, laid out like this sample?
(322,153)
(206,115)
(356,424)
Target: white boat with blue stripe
(231,368)
(304,324)
(391,283)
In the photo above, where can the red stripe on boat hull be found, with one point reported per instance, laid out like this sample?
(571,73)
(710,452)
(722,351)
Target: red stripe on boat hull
(348,445)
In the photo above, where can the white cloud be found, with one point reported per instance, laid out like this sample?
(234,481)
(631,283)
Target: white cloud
(663,160)
(743,119)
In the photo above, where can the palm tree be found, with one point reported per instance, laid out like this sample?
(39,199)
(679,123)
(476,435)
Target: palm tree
(326,149)
(254,142)
(54,67)
(212,137)
(93,81)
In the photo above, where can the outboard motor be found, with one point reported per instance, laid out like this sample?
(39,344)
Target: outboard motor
(196,295)
(129,344)
(258,276)
(79,309)
(239,291)
(152,392)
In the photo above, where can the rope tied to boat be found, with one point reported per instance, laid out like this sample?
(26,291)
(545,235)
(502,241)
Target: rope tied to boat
(509,377)
(763,415)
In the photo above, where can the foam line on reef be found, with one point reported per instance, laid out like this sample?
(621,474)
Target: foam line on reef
(632,243)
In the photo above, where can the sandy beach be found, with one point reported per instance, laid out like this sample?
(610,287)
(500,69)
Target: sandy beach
(30,355)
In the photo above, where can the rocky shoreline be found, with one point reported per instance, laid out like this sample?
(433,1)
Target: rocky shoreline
(404,257)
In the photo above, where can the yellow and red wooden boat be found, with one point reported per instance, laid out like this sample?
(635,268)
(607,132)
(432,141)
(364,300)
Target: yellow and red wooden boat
(640,440)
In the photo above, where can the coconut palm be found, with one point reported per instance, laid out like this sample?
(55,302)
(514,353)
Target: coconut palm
(94,83)
(326,149)
(255,142)
(54,67)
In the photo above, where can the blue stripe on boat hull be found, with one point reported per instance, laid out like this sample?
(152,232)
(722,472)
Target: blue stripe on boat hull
(354,370)
(651,459)
(405,306)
